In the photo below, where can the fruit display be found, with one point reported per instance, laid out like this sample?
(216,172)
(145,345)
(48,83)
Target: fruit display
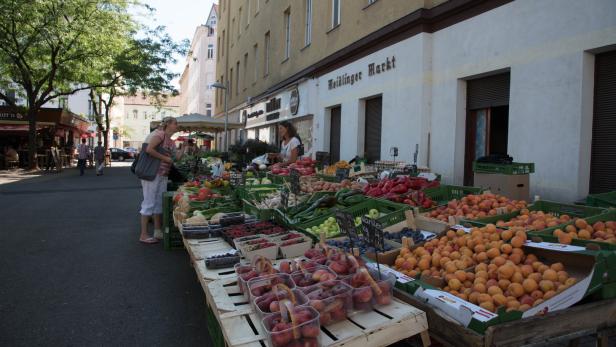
(300,327)
(222,260)
(257,181)
(361,243)
(474,206)
(332,299)
(534,220)
(241,230)
(274,200)
(262,285)
(311,186)
(402,190)
(603,231)
(308,277)
(370,288)
(258,244)
(331,169)
(270,303)
(331,228)
(305,167)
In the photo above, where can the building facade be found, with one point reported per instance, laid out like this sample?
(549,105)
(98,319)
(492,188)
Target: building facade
(131,117)
(200,71)
(458,80)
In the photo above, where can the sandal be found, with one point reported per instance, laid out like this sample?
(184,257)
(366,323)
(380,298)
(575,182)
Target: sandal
(149,240)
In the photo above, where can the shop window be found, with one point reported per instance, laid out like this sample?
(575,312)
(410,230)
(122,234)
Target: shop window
(487,120)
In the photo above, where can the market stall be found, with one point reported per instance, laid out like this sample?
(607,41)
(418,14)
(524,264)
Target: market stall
(470,267)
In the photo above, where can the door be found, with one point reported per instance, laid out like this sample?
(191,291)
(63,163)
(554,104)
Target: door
(372,133)
(334,134)
(487,120)
(603,150)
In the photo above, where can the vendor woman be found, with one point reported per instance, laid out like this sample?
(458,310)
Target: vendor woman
(289,145)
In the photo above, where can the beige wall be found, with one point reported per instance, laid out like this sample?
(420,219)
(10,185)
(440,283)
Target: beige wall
(241,34)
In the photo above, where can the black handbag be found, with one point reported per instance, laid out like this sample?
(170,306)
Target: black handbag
(146,166)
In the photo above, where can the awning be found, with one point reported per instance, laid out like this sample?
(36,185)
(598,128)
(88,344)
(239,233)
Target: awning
(46,116)
(200,122)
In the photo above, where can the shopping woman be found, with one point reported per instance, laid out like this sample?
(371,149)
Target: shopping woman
(289,144)
(162,147)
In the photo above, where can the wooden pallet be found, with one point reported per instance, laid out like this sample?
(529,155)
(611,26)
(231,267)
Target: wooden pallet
(385,325)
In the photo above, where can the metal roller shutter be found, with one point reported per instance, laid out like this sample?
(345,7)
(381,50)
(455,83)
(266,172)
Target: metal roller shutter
(334,135)
(372,145)
(603,157)
(490,91)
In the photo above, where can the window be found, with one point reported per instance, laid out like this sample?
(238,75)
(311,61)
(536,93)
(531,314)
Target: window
(126,117)
(255,54)
(222,48)
(218,51)
(210,51)
(63,102)
(237,78)
(210,31)
(145,115)
(229,81)
(308,27)
(244,79)
(287,33)
(208,110)
(239,23)
(370,2)
(231,31)
(247,12)
(134,114)
(256,6)
(266,54)
(335,13)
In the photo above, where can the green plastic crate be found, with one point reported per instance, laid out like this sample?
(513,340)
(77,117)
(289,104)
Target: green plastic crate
(547,234)
(444,193)
(507,169)
(168,210)
(327,178)
(602,199)
(243,191)
(554,208)
(393,213)
(172,239)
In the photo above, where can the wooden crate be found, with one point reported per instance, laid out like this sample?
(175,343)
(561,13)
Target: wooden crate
(380,327)
(559,327)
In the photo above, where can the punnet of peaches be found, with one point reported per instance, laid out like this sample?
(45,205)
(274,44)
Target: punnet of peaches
(487,266)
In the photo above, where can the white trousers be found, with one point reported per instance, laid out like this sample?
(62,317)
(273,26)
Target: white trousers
(153,195)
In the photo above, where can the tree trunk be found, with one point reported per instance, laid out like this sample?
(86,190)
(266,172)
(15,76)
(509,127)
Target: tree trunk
(32,162)
(106,139)
(107,124)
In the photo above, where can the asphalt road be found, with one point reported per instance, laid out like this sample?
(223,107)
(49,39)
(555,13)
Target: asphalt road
(72,272)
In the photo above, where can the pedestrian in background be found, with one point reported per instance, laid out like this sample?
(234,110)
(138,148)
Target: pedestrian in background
(160,146)
(99,158)
(82,155)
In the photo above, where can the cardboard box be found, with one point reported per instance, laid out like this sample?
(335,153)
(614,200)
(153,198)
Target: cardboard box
(512,186)
(589,267)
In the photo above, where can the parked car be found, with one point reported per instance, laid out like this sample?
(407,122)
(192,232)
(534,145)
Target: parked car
(131,149)
(120,154)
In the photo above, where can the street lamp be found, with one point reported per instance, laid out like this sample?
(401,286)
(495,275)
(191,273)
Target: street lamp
(220,85)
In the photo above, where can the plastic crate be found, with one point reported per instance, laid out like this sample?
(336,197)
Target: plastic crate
(393,213)
(547,234)
(277,179)
(243,191)
(602,199)
(172,239)
(444,193)
(262,214)
(554,208)
(327,178)
(168,210)
(507,169)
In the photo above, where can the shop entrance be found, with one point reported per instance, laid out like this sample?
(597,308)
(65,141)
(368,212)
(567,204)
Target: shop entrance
(334,134)
(603,150)
(487,120)
(372,132)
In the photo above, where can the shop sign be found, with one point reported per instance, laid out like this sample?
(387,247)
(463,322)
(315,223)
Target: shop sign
(273,105)
(254,114)
(294,101)
(9,115)
(373,69)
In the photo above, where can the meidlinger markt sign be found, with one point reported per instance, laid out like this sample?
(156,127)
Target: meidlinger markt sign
(352,78)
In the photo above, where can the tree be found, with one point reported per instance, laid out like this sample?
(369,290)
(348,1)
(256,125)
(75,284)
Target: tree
(141,67)
(53,48)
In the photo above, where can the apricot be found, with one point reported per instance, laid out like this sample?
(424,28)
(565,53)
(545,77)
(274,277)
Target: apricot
(535,276)
(506,271)
(460,275)
(524,308)
(517,242)
(580,223)
(546,285)
(499,261)
(529,285)
(584,234)
(506,235)
(493,290)
(516,290)
(499,300)
(549,294)
(562,276)
(473,297)
(513,304)
(424,264)
(506,248)
(484,298)
(454,284)
(481,267)
(504,284)
(550,275)
(517,277)
(526,270)
(479,288)
(565,239)
(493,253)
(570,229)
(515,258)
(481,257)
(488,305)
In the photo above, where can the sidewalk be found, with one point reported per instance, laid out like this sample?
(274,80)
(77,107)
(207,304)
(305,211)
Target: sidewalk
(73,273)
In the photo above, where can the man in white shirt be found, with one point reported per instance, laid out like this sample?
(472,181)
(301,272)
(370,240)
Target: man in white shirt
(82,155)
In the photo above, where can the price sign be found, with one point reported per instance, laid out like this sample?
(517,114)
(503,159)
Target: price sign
(322,158)
(342,174)
(347,225)
(294,180)
(237,179)
(373,231)
(284,198)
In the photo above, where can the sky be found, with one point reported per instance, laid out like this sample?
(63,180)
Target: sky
(181,17)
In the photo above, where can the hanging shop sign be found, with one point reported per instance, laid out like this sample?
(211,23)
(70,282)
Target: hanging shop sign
(352,78)
(7,114)
(294,101)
